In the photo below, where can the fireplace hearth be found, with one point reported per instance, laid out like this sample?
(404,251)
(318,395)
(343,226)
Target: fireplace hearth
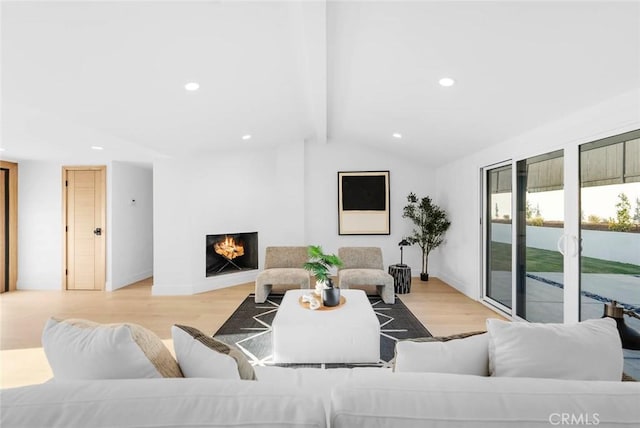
(231,252)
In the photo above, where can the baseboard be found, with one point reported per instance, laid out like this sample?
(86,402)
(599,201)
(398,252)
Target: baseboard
(129,280)
(208,284)
(224,281)
(455,283)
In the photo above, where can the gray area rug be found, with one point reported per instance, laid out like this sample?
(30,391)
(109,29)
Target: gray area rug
(249,329)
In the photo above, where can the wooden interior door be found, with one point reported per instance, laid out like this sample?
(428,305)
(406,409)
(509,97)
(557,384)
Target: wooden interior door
(8,226)
(84,228)
(4,271)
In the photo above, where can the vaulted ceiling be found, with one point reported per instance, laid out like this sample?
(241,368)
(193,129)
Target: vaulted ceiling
(77,74)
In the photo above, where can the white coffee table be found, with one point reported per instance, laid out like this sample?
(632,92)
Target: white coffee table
(348,334)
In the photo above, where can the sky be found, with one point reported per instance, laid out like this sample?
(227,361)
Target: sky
(600,201)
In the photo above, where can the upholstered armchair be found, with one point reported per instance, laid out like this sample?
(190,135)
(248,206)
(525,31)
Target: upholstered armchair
(363,266)
(282,266)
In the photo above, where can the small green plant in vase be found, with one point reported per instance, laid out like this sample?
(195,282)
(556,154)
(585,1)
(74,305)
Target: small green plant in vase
(319,265)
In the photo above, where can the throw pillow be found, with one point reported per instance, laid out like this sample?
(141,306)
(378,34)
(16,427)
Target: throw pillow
(465,353)
(589,350)
(82,349)
(200,355)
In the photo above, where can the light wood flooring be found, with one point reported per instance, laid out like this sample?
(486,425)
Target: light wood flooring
(442,309)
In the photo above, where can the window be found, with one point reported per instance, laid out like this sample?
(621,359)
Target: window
(610,225)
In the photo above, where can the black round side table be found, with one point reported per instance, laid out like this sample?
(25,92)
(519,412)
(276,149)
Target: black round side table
(401,278)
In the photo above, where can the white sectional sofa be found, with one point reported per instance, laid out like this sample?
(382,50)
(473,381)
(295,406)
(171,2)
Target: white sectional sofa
(176,402)
(339,398)
(516,375)
(453,401)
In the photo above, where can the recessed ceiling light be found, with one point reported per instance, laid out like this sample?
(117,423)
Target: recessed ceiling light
(192,86)
(246,137)
(446,81)
(397,135)
(97,147)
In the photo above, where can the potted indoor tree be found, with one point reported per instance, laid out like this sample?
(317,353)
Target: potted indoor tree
(431,223)
(319,264)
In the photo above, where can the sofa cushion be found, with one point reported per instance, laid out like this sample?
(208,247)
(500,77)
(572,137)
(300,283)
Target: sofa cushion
(364,277)
(463,354)
(316,382)
(200,355)
(159,403)
(453,401)
(281,276)
(589,350)
(360,258)
(82,349)
(285,257)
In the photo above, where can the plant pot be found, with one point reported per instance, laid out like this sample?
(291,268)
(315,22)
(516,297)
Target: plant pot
(331,296)
(424,277)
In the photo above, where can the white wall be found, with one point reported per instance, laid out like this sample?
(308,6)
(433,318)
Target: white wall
(458,183)
(39,225)
(323,161)
(131,224)
(287,194)
(128,230)
(246,190)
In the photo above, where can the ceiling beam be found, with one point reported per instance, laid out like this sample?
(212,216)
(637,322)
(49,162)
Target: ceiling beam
(310,28)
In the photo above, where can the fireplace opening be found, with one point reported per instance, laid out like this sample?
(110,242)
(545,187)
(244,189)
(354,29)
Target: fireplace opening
(231,252)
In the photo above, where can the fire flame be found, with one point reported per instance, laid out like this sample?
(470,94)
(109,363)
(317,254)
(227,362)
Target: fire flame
(228,248)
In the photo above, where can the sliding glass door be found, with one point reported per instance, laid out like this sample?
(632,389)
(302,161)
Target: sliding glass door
(498,248)
(561,234)
(540,223)
(525,266)
(610,225)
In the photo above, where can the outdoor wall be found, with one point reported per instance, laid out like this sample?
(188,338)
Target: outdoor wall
(131,224)
(620,247)
(458,261)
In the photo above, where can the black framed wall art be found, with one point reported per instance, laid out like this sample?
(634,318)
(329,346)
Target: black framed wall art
(363,203)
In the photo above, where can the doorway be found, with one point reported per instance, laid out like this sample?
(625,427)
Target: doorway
(83,205)
(8,226)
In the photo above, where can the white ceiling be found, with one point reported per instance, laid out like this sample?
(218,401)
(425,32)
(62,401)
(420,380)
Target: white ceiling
(76,74)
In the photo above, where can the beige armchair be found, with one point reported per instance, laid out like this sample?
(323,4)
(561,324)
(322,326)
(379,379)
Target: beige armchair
(363,266)
(282,266)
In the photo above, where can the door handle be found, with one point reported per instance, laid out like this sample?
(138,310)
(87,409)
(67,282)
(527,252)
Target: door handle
(575,244)
(97,231)
(562,244)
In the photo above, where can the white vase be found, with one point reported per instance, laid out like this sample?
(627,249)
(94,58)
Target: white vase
(319,288)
